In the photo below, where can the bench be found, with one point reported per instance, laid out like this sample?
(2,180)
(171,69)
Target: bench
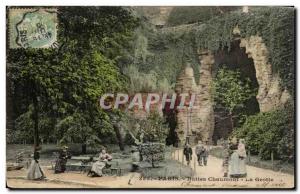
(84,168)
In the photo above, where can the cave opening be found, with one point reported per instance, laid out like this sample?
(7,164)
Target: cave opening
(234,58)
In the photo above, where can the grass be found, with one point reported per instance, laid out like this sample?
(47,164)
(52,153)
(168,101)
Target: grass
(122,159)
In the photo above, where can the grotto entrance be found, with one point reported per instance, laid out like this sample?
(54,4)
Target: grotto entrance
(234,58)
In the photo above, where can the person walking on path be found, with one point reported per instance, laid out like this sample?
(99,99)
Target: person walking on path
(35,171)
(199,152)
(188,152)
(204,154)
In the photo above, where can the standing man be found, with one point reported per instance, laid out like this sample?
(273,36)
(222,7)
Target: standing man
(204,153)
(199,149)
(188,152)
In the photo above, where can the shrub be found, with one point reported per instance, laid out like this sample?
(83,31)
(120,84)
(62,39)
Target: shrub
(152,153)
(269,132)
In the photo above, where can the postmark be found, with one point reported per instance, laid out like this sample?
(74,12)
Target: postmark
(33,28)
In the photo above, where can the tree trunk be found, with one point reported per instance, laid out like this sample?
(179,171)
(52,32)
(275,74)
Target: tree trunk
(152,161)
(83,148)
(119,137)
(35,117)
(231,121)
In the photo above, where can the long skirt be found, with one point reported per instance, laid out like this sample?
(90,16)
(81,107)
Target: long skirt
(237,166)
(35,172)
(60,165)
(97,168)
(234,168)
(242,164)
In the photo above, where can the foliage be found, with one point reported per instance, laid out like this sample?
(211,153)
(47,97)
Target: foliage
(163,54)
(145,82)
(231,90)
(270,132)
(187,15)
(274,24)
(75,128)
(65,83)
(153,128)
(152,152)
(166,51)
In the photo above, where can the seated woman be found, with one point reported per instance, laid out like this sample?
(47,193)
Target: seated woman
(61,162)
(100,164)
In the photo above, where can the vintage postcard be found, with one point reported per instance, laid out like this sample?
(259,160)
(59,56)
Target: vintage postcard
(150,97)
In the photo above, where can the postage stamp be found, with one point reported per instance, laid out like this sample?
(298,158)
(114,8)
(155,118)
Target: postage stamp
(33,28)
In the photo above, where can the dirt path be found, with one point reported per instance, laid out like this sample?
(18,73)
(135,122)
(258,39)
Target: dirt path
(206,177)
(256,177)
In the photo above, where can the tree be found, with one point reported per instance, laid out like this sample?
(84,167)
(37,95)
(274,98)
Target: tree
(151,129)
(68,80)
(153,153)
(149,135)
(75,128)
(231,91)
(270,132)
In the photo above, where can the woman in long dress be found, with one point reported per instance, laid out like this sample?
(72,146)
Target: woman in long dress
(234,168)
(61,162)
(35,172)
(98,166)
(242,158)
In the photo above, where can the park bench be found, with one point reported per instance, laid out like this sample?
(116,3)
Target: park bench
(84,164)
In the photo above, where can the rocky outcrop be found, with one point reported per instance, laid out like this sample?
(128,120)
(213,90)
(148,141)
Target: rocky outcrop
(205,101)
(187,121)
(270,94)
(196,123)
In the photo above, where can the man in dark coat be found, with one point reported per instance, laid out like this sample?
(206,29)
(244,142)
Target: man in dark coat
(188,152)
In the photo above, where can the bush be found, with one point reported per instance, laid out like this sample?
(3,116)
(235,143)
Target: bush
(152,153)
(269,132)
(188,15)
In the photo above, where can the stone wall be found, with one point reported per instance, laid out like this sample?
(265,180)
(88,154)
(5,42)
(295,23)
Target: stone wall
(201,124)
(185,84)
(270,94)
(205,101)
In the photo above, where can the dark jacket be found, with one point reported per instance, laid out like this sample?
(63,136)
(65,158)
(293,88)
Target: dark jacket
(36,156)
(188,152)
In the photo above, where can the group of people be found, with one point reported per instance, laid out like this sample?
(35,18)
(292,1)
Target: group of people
(35,171)
(234,162)
(201,150)
(234,157)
